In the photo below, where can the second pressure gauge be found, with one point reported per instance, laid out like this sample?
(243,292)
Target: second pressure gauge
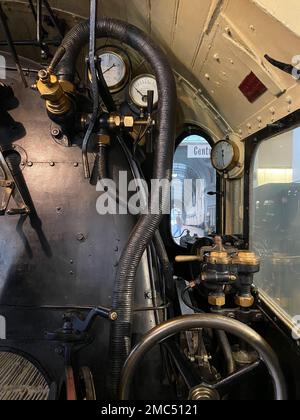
(115,67)
(225,156)
(139,88)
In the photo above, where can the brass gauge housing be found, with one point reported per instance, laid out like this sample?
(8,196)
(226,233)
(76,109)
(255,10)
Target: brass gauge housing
(225,156)
(116,67)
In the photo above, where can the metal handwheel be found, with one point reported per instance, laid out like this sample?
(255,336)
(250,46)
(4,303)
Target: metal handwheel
(207,321)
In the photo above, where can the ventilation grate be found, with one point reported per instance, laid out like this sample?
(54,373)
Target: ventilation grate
(20,379)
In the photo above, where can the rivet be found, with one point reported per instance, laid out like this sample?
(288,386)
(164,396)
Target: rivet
(259,119)
(30,164)
(228,30)
(75,164)
(56,132)
(272,110)
(80,237)
(252,27)
(51,163)
(207,76)
(216,57)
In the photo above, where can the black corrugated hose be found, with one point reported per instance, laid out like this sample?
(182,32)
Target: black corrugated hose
(147,225)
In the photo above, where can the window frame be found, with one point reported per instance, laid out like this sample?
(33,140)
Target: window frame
(272,311)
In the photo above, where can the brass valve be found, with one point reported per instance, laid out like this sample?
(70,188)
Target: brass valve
(127,121)
(57,101)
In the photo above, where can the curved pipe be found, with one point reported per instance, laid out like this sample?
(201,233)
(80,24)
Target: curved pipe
(227,352)
(147,225)
(164,260)
(204,321)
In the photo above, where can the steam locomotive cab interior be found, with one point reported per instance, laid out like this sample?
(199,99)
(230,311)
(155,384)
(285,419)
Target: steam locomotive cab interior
(149,200)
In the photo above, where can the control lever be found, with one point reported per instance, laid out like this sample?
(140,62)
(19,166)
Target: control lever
(149,132)
(11,189)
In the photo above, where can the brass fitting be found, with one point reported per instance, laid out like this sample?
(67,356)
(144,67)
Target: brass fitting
(246,258)
(244,301)
(218,257)
(187,258)
(57,102)
(118,121)
(217,300)
(103,139)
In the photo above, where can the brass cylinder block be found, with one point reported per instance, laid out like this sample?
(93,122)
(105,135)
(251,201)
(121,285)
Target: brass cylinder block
(57,101)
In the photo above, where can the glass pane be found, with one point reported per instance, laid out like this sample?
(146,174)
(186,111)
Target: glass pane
(193,210)
(276,219)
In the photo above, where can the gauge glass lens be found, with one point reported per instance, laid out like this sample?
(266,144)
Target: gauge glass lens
(113,69)
(222,155)
(139,89)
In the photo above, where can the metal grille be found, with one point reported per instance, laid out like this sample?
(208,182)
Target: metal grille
(20,379)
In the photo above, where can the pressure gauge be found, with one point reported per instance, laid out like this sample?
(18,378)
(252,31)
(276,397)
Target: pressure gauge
(115,67)
(225,156)
(139,88)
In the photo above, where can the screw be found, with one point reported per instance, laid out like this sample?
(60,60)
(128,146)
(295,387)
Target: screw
(59,351)
(113,316)
(56,132)
(80,237)
(43,75)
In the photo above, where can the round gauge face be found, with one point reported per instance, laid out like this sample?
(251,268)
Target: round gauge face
(224,155)
(139,88)
(114,69)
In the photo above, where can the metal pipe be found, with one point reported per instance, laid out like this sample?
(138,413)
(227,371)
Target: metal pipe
(204,321)
(95,89)
(53,19)
(39,16)
(227,352)
(31,43)
(11,45)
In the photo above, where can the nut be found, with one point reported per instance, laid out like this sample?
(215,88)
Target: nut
(217,300)
(104,139)
(113,316)
(244,301)
(128,122)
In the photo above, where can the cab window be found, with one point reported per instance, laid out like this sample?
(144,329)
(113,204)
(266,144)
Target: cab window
(193,208)
(275,224)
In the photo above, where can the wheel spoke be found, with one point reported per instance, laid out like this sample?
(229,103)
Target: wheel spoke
(224,386)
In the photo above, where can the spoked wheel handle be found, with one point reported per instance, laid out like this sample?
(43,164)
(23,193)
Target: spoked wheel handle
(207,321)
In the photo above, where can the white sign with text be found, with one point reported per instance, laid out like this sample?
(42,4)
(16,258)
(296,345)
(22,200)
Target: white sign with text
(199,151)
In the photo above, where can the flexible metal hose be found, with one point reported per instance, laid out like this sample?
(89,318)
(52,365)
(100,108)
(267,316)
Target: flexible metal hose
(142,234)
